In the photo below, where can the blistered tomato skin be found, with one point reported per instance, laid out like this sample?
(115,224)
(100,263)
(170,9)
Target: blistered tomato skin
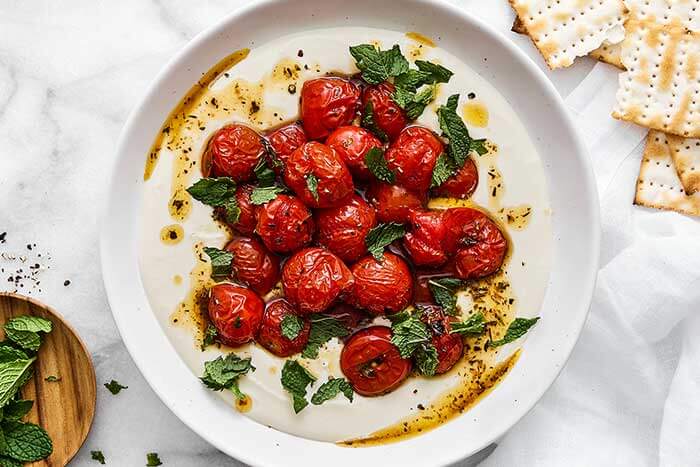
(478,244)
(394,203)
(388,116)
(334,180)
(285,224)
(412,157)
(381,286)
(462,185)
(425,238)
(233,151)
(449,346)
(352,143)
(372,364)
(326,104)
(314,278)
(253,264)
(247,218)
(236,312)
(343,229)
(285,140)
(270,335)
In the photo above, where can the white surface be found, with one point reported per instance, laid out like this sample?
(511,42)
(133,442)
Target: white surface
(528,268)
(70,74)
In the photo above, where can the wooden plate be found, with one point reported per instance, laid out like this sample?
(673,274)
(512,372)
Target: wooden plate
(65,408)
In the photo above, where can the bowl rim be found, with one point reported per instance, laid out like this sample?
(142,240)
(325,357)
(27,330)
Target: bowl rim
(182,411)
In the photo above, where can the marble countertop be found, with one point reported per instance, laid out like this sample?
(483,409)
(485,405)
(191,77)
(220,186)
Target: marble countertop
(70,73)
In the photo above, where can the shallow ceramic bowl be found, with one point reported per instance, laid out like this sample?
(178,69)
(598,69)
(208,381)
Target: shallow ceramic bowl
(575,229)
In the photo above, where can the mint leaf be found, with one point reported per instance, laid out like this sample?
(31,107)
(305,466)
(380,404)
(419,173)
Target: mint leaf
(294,380)
(220,262)
(414,108)
(452,126)
(213,191)
(378,65)
(262,195)
(474,325)
(411,80)
(368,123)
(323,329)
(409,334)
(26,442)
(223,373)
(16,409)
(52,379)
(332,388)
(98,456)
(443,170)
(479,145)
(152,460)
(29,323)
(114,387)
(517,329)
(426,358)
(291,326)
(437,73)
(209,336)
(312,185)
(382,236)
(264,173)
(376,163)
(28,340)
(6,461)
(444,292)
(12,376)
(9,354)
(232,212)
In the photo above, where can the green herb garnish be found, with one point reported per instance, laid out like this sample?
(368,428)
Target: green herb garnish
(454,129)
(220,262)
(209,337)
(52,379)
(332,388)
(152,460)
(26,442)
(368,123)
(291,326)
(295,378)
(218,192)
(412,338)
(114,387)
(473,325)
(24,331)
(444,292)
(312,185)
(262,195)
(381,236)
(264,173)
(223,373)
(517,329)
(98,456)
(323,329)
(378,65)
(376,163)
(444,169)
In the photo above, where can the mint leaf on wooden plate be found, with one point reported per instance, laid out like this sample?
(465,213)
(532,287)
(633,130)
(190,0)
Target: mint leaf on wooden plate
(29,323)
(26,442)
(12,376)
(16,409)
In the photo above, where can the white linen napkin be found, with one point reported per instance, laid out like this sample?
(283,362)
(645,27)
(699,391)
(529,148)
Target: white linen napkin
(629,394)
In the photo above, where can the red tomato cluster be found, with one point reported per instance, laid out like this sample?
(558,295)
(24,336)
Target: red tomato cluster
(318,232)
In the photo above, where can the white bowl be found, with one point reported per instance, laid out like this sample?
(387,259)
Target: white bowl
(575,222)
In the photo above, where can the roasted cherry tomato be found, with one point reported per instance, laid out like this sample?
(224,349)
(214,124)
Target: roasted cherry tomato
(352,144)
(449,346)
(247,219)
(388,116)
(233,151)
(285,140)
(285,224)
(424,241)
(236,312)
(394,203)
(381,286)
(326,104)
(333,182)
(270,335)
(343,229)
(412,157)
(371,363)
(253,264)
(462,184)
(314,278)
(478,243)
